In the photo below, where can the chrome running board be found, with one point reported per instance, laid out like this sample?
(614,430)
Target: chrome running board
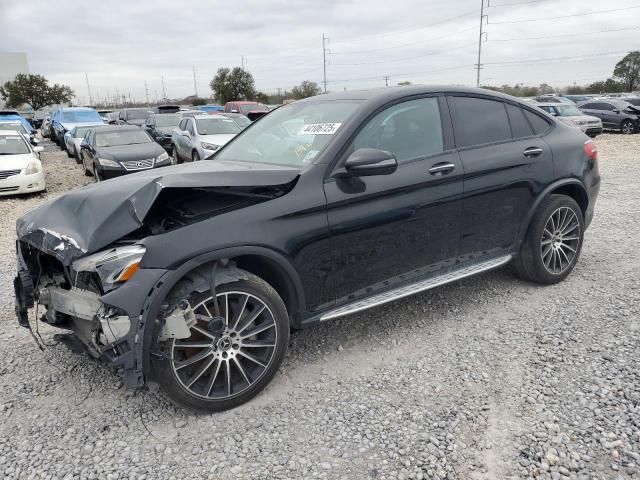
(417,287)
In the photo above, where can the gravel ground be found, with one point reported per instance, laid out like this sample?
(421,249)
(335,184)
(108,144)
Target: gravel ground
(487,378)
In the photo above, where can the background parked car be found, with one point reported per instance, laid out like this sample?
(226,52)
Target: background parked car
(14,115)
(578,99)
(161,127)
(17,126)
(103,114)
(635,101)
(64,119)
(73,140)
(44,128)
(20,167)
(133,116)
(113,150)
(244,107)
(572,115)
(241,120)
(211,108)
(112,118)
(615,114)
(199,137)
(167,109)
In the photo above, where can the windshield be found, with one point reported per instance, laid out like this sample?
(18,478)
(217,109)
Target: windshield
(216,126)
(75,116)
(13,145)
(568,110)
(80,131)
(253,107)
(292,135)
(13,126)
(138,114)
(122,137)
(242,121)
(167,120)
(620,104)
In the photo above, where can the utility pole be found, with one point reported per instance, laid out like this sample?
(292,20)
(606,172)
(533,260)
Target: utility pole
(88,88)
(482,18)
(195,86)
(242,60)
(156,92)
(324,60)
(146,91)
(386,81)
(164,93)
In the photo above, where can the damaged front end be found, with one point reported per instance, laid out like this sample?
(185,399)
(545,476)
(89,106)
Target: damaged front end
(82,255)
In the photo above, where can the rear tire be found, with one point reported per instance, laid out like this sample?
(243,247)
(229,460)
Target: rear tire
(195,157)
(627,127)
(69,154)
(553,242)
(233,366)
(175,156)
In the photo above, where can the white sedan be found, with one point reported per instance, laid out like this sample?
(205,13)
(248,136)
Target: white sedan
(20,167)
(73,139)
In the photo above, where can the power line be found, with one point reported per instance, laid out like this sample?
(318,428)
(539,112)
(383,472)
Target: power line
(403,74)
(566,16)
(563,35)
(430,54)
(396,32)
(421,42)
(525,2)
(554,59)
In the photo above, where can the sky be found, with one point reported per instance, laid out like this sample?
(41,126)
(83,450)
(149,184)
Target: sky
(120,44)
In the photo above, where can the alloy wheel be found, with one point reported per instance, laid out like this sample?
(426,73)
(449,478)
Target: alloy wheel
(226,353)
(627,128)
(560,240)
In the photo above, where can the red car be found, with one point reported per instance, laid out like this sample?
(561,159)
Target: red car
(244,107)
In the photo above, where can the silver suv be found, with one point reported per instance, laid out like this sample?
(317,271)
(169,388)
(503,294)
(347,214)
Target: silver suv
(571,115)
(199,137)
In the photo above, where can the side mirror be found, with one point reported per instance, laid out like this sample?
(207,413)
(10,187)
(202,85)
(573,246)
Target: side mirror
(371,161)
(616,110)
(38,149)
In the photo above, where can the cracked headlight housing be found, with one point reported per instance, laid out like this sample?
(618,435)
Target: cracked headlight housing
(114,266)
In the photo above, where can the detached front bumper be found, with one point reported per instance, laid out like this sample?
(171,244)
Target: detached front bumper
(111,326)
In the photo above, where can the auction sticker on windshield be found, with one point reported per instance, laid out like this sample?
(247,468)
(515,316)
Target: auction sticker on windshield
(320,129)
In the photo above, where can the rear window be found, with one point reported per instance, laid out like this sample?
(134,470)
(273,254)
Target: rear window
(77,116)
(253,108)
(122,137)
(538,123)
(138,114)
(520,128)
(216,125)
(477,121)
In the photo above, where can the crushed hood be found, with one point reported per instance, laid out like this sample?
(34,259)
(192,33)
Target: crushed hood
(90,218)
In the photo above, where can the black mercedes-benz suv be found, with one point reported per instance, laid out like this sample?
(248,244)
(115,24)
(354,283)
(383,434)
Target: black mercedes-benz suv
(193,275)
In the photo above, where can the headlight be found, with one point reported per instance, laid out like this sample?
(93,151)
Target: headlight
(32,168)
(163,157)
(105,162)
(113,266)
(210,146)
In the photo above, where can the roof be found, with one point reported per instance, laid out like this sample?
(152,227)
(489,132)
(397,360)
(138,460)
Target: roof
(392,93)
(116,128)
(66,109)
(10,132)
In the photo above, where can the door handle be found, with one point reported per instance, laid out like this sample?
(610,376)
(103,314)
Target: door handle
(442,168)
(532,152)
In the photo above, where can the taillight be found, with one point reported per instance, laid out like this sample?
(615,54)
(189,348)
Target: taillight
(591,150)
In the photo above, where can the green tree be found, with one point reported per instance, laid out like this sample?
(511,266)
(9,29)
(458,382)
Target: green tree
(261,97)
(405,83)
(236,84)
(627,71)
(35,91)
(198,101)
(305,89)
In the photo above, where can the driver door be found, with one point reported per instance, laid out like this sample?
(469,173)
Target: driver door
(393,229)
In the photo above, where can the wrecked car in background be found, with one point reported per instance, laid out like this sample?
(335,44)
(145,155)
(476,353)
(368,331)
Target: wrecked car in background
(192,275)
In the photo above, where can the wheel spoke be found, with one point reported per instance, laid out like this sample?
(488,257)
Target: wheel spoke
(257,330)
(252,358)
(193,344)
(244,374)
(206,309)
(545,255)
(239,315)
(203,332)
(252,319)
(191,360)
(200,372)
(226,309)
(212,378)
(569,230)
(561,251)
(258,345)
(570,238)
(228,372)
(564,245)
(546,242)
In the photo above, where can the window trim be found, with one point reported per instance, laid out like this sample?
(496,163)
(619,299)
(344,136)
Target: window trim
(445,121)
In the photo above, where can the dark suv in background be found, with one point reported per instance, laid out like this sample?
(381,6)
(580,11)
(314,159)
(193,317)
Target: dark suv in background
(615,114)
(194,275)
(133,116)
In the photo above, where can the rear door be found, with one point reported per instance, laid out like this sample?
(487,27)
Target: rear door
(179,137)
(506,163)
(392,229)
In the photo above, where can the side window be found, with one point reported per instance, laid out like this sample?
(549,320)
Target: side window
(477,121)
(121,115)
(520,128)
(182,124)
(607,106)
(588,106)
(190,128)
(409,130)
(539,124)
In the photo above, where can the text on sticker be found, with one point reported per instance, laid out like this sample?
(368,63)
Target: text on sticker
(320,129)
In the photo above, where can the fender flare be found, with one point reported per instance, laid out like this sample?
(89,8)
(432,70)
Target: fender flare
(524,226)
(165,284)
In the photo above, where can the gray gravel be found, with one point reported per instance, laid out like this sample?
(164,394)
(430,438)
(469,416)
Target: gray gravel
(488,378)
